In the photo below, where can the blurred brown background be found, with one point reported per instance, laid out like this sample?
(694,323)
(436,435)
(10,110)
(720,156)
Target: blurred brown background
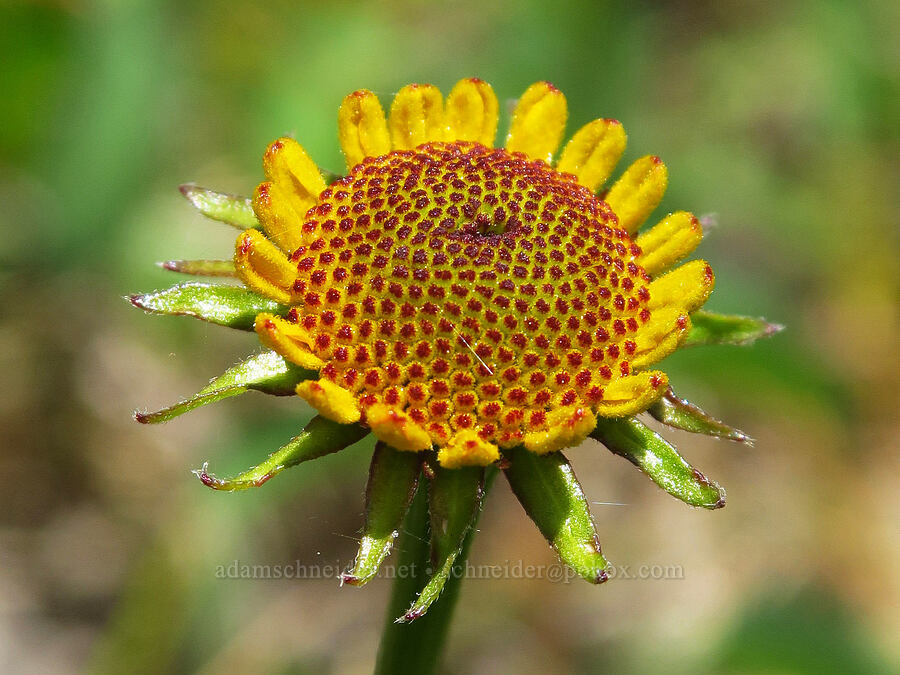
(779,117)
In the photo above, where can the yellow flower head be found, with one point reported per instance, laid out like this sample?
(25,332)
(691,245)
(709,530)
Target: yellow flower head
(470,306)
(464,296)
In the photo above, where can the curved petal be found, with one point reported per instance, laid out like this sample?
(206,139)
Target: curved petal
(638,191)
(566,427)
(263,266)
(362,127)
(277,215)
(472,112)
(286,162)
(396,428)
(467,448)
(686,287)
(538,122)
(332,401)
(288,339)
(417,116)
(593,152)
(660,336)
(670,240)
(632,394)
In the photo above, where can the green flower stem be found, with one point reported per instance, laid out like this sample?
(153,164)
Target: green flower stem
(416,647)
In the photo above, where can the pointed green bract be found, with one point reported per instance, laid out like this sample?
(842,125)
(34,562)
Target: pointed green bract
(201,268)
(454,499)
(659,459)
(709,328)
(230,209)
(676,412)
(393,477)
(231,306)
(267,372)
(319,438)
(552,497)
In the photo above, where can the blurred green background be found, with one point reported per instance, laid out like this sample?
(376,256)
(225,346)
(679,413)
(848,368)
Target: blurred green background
(780,117)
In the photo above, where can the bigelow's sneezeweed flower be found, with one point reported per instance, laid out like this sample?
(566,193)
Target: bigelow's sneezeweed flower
(469,306)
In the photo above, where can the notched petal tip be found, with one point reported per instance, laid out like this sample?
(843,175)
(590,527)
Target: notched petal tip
(362,127)
(567,427)
(472,112)
(538,122)
(686,287)
(264,267)
(467,448)
(332,401)
(632,394)
(669,241)
(638,192)
(290,340)
(417,116)
(593,152)
(396,428)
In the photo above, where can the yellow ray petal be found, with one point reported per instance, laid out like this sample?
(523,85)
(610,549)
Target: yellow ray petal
(396,428)
(593,152)
(639,190)
(332,401)
(467,448)
(538,122)
(660,336)
(281,223)
(288,339)
(686,287)
(417,116)
(263,266)
(567,427)
(472,112)
(287,164)
(362,128)
(632,394)
(669,241)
